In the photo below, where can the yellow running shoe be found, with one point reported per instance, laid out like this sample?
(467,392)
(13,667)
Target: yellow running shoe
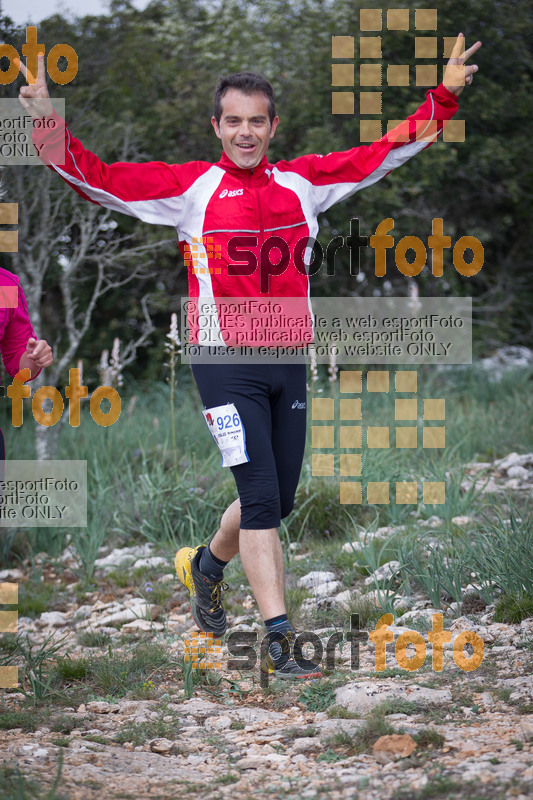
(206,603)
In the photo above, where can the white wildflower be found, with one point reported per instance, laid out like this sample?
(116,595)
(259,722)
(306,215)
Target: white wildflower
(333,369)
(313,364)
(173,335)
(103,368)
(115,367)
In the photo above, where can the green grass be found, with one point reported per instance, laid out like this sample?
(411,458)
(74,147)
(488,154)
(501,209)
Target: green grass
(318,696)
(340,712)
(94,639)
(141,732)
(35,598)
(513,609)
(15,785)
(440,786)
(228,778)
(375,726)
(26,720)
(115,674)
(428,738)
(298,733)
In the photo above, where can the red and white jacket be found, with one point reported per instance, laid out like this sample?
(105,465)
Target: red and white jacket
(226,216)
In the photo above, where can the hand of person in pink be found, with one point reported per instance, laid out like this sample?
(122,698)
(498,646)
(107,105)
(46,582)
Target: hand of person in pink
(38,355)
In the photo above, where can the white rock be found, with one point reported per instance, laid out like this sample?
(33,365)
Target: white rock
(351,547)
(315,578)
(361,697)
(162,746)
(54,619)
(424,615)
(153,561)
(328,727)
(345,599)
(306,744)
(251,762)
(11,574)
(462,521)
(518,472)
(432,522)
(220,723)
(122,556)
(143,625)
(514,460)
(68,554)
(506,358)
(527,729)
(383,573)
(277,759)
(101,707)
(83,611)
(326,589)
(140,611)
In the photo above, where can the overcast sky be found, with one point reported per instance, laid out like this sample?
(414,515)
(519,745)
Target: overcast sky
(33,11)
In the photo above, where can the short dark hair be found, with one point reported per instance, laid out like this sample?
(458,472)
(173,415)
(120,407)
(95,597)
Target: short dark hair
(248,83)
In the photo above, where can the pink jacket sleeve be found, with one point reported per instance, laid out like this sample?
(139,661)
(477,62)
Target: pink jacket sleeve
(15,323)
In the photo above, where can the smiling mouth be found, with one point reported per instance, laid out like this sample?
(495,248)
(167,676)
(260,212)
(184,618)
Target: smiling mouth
(245,146)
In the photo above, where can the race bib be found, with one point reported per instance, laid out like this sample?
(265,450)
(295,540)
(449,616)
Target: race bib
(227,430)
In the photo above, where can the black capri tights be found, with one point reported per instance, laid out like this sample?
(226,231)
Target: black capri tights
(271,400)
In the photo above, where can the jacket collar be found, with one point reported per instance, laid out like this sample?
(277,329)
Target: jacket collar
(257,172)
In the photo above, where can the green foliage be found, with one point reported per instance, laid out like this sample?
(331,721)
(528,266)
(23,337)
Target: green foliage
(318,695)
(513,609)
(26,720)
(428,737)
(14,785)
(94,639)
(71,669)
(115,673)
(37,668)
(35,597)
(497,555)
(141,732)
(438,568)
(228,778)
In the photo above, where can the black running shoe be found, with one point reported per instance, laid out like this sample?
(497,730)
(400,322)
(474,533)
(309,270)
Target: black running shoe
(206,603)
(285,659)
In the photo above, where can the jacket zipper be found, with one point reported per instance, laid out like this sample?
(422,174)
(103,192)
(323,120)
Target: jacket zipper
(260,216)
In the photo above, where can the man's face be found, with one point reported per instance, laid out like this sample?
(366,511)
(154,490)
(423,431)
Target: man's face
(245,129)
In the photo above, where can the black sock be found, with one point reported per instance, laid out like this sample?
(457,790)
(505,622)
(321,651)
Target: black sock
(276,626)
(211,566)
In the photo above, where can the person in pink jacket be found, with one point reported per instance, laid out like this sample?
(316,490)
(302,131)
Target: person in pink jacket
(20,346)
(221,210)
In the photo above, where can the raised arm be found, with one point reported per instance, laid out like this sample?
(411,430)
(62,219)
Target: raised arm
(153,191)
(338,175)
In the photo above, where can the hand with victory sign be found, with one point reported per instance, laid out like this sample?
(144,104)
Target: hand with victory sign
(35,97)
(456,75)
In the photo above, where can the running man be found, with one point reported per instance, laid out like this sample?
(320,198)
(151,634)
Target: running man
(243,195)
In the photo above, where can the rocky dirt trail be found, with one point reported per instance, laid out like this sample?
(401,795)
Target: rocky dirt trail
(359,733)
